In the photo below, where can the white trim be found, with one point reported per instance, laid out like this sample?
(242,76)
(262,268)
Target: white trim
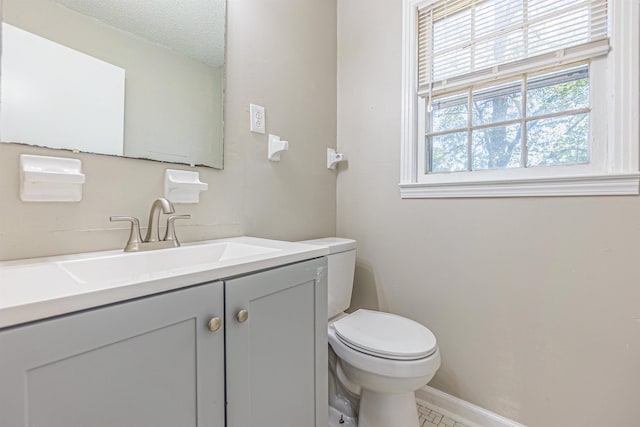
(409,128)
(592,185)
(624,85)
(472,415)
(615,172)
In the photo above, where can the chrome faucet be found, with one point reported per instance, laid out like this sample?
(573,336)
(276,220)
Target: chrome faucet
(152,239)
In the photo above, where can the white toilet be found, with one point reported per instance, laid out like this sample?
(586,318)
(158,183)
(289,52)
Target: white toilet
(382,357)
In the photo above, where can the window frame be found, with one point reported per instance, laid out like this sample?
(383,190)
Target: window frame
(615,135)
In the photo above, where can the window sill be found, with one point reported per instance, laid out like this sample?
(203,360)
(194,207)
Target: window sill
(588,185)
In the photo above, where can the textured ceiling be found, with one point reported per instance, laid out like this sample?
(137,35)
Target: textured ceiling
(192,27)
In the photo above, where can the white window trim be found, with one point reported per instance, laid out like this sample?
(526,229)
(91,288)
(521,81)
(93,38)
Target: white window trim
(614,172)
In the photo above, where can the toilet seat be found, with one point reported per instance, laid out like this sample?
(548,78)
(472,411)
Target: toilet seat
(385,335)
(376,365)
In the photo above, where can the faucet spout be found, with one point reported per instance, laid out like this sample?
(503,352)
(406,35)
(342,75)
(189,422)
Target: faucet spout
(153,230)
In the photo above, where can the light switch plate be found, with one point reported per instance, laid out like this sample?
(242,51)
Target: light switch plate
(258,119)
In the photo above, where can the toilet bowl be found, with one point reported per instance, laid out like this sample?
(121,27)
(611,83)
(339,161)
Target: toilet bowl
(382,357)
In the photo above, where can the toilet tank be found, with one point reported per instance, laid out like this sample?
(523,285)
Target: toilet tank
(341,267)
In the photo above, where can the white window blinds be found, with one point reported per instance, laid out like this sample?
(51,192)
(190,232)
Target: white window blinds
(465,42)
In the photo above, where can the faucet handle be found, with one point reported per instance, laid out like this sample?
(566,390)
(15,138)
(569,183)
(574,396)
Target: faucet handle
(133,244)
(170,235)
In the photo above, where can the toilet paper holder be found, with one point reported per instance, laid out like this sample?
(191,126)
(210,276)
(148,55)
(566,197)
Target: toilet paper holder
(334,158)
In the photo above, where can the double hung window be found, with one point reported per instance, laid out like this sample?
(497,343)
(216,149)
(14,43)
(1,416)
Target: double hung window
(507,90)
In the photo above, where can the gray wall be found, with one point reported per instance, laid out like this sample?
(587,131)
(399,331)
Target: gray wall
(275,59)
(535,301)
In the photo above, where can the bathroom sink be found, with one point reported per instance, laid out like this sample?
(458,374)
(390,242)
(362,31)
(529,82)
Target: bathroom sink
(159,263)
(38,288)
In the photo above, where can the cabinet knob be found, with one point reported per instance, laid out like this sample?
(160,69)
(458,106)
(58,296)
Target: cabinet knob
(242,316)
(214,324)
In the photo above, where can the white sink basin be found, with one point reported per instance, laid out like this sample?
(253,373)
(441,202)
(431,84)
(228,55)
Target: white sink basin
(158,263)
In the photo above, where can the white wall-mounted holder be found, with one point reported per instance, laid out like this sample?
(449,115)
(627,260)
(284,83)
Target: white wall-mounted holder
(276,146)
(183,186)
(334,158)
(50,179)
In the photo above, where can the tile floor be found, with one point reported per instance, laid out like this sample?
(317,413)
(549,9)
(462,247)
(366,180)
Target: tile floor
(427,416)
(431,418)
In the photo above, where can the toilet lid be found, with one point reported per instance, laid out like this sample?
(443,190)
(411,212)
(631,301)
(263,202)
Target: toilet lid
(385,335)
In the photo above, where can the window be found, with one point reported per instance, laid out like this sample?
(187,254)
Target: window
(496,127)
(514,98)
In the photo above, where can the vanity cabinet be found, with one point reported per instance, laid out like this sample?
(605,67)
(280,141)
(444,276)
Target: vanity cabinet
(155,361)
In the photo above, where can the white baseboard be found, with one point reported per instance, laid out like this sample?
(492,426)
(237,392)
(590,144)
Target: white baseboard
(465,412)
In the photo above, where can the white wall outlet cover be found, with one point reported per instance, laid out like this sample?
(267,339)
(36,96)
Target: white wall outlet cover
(258,118)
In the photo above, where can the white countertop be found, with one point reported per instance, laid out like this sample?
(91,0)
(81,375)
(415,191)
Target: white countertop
(38,288)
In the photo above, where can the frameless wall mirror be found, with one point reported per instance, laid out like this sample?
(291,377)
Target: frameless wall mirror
(141,79)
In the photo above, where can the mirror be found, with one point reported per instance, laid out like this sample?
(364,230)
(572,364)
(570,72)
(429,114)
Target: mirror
(141,79)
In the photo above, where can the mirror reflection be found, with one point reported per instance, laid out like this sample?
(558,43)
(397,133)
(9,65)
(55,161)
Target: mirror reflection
(142,79)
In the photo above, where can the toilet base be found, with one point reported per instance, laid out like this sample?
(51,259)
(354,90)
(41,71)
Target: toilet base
(387,409)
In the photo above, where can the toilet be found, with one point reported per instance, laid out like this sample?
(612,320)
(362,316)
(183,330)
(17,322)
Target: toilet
(382,358)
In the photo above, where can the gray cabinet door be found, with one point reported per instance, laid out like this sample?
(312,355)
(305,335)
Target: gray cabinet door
(277,358)
(147,362)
